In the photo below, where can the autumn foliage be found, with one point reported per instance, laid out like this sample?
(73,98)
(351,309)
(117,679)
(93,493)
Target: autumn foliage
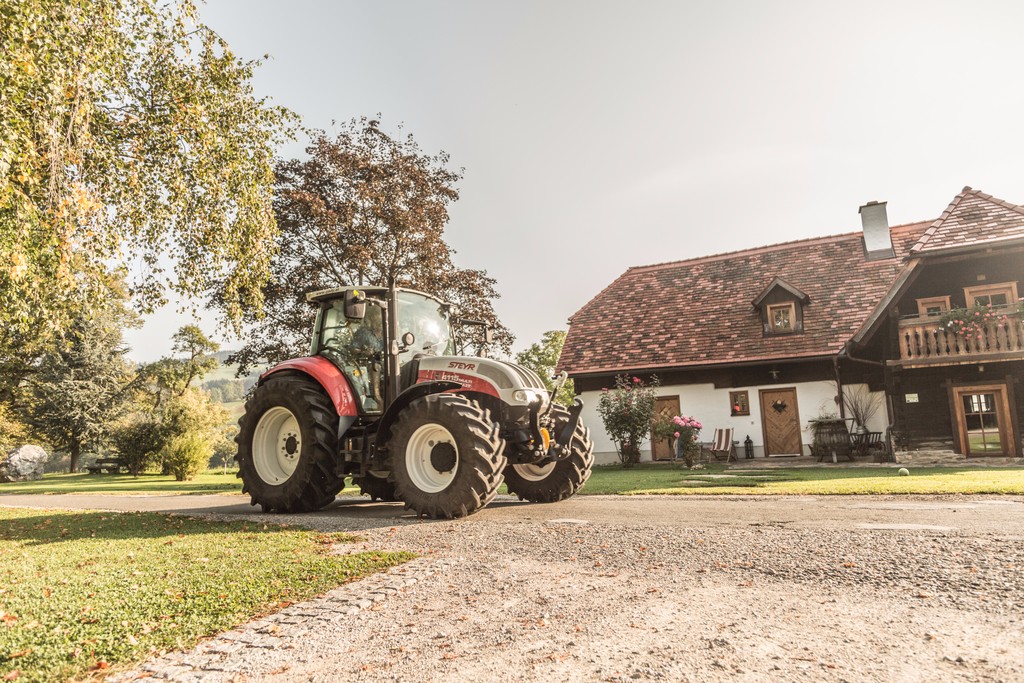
(365,207)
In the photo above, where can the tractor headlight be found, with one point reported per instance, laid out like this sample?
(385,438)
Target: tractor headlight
(524,396)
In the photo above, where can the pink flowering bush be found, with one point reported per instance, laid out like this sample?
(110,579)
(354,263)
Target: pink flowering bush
(973,323)
(687,431)
(627,410)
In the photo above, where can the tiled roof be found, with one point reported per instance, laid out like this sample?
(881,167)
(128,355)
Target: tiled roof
(699,312)
(973,218)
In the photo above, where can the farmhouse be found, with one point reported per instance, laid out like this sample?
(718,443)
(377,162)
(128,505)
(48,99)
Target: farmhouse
(921,323)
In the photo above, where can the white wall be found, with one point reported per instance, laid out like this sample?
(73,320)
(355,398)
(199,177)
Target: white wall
(711,407)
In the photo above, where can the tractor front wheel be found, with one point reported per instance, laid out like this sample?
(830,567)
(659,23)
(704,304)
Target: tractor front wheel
(286,444)
(446,456)
(554,480)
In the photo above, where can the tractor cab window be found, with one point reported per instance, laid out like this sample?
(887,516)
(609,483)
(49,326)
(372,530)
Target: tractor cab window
(428,320)
(356,346)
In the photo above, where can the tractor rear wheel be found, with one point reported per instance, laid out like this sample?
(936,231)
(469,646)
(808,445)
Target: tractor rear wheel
(377,488)
(446,456)
(286,443)
(554,480)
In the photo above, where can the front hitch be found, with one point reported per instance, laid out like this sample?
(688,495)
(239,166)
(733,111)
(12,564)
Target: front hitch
(559,445)
(562,448)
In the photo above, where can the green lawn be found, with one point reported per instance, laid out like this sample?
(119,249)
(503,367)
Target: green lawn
(717,479)
(95,591)
(612,479)
(213,481)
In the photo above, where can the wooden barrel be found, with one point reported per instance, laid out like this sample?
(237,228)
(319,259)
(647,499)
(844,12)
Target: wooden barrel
(831,436)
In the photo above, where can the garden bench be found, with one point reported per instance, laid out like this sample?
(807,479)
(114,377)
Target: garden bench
(108,465)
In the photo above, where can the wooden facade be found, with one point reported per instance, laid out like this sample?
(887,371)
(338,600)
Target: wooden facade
(959,390)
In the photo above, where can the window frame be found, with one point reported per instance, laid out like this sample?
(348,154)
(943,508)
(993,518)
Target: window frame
(741,400)
(1009,288)
(922,305)
(787,305)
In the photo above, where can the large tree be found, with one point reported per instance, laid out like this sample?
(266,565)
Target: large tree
(82,385)
(363,208)
(129,134)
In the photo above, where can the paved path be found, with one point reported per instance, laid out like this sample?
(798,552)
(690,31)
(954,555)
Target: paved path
(977,514)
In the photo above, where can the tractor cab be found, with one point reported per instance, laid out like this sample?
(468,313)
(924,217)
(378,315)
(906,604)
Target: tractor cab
(379,352)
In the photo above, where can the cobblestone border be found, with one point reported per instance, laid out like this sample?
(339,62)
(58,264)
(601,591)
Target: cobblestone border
(222,656)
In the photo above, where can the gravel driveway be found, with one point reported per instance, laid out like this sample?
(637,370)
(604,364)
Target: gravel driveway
(603,588)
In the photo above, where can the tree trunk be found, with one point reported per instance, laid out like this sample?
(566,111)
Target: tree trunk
(76,451)
(629,454)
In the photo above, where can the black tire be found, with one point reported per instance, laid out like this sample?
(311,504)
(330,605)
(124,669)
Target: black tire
(299,474)
(446,456)
(377,488)
(554,480)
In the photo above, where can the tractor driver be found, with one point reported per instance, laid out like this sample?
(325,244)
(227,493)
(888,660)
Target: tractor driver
(367,343)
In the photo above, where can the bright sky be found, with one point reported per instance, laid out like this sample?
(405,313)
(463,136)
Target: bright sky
(600,135)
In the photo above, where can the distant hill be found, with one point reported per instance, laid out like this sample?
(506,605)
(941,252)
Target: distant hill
(223,384)
(222,356)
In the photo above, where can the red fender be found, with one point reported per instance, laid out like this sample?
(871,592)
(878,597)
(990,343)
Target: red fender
(327,375)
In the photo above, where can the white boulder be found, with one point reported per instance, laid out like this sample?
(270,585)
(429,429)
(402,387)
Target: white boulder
(23,464)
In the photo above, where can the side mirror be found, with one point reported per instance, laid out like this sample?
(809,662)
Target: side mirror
(488,336)
(408,339)
(355,304)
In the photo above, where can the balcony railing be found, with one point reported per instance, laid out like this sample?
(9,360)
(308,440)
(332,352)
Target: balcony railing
(925,340)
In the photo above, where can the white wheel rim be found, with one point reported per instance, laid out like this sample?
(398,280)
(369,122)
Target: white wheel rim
(421,458)
(276,445)
(534,472)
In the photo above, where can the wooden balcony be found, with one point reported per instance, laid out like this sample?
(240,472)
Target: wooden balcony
(924,342)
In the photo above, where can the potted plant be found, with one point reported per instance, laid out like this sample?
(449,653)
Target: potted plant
(862,405)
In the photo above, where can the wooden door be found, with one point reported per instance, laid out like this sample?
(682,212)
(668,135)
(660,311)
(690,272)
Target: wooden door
(780,420)
(665,407)
(983,419)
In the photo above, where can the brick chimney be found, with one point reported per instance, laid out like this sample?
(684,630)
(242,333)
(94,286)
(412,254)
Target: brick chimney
(877,241)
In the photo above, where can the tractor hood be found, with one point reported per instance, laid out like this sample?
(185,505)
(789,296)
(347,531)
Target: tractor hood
(513,384)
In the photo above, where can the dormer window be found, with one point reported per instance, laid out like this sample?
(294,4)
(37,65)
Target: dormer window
(781,306)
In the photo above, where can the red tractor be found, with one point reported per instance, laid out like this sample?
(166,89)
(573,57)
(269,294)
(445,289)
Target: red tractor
(382,398)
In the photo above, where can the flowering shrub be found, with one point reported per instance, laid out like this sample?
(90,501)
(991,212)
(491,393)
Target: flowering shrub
(627,411)
(972,322)
(687,432)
